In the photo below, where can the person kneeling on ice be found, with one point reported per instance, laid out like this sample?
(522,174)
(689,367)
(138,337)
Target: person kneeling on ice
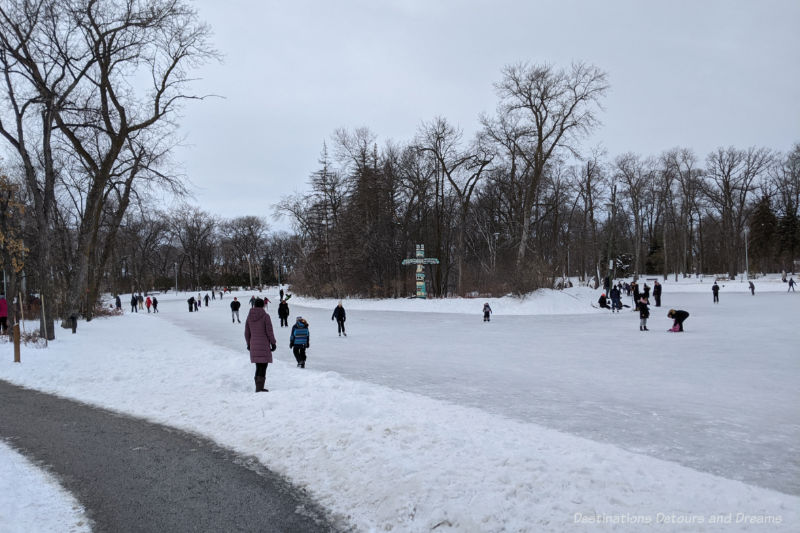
(678,317)
(486,312)
(603,301)
(644,313)
(260,341)
(300,341)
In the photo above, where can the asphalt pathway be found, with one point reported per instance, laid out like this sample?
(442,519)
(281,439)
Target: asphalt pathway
(132,475)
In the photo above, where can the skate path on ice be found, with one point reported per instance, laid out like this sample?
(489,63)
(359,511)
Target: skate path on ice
(720,398)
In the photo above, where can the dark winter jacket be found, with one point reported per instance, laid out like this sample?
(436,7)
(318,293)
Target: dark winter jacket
(615,296)
(259,335)
(283,310)
(715,289)
(678,316)
(644,309)
(300,335)
(602,301)
(338,313)
(235,305)
(657,290)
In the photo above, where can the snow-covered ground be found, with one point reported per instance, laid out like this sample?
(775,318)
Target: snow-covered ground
(32,500)
(551,415)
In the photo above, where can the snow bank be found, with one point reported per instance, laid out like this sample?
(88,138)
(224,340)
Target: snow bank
(33,500)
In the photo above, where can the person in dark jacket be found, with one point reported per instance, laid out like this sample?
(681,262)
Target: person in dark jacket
(235,305)
(300,341)
(752,288)
(118,302)
(636,295)
(155,304)
(283,313)
(715,290)
(192,304)
(646,293)
(206,298)
(679,317)
(616,300)
(260,341)
(657,293)
(644,313)
(603,301)
(134,304)
(339,315)
(487,311)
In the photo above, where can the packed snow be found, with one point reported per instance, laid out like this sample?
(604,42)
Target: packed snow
(552,415)
(32,500)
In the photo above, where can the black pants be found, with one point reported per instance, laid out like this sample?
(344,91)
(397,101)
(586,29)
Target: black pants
(658,300)
(3,324)
(300,354)
(284,321)
(340,324)
(716,298)
(261,370)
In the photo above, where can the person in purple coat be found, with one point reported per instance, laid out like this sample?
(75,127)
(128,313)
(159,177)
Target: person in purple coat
(260,341)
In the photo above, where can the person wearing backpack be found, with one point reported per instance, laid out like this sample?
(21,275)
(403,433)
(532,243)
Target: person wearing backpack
(300,341)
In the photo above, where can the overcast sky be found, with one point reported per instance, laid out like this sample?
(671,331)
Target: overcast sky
(699,74)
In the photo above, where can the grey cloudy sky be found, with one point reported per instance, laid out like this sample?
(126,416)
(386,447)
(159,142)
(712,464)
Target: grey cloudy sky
(699,74)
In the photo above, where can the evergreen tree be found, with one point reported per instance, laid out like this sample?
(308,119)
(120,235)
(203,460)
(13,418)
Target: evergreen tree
(763,236)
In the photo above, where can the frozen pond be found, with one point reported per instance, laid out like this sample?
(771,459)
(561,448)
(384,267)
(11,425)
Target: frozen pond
(723,397)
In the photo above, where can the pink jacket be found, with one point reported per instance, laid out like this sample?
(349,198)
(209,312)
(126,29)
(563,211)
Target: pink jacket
(259,335)
(3,307)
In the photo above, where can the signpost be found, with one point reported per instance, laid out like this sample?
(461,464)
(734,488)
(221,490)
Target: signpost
(421,260)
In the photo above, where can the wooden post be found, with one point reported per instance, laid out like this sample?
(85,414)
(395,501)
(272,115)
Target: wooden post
(21,311)
(15,331)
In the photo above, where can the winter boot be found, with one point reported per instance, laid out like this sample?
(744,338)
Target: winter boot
(260,384)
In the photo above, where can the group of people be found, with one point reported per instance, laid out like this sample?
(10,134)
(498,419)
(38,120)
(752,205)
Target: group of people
(641,302)
(139,302)
(260,336)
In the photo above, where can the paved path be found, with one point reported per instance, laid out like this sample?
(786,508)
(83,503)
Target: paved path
(132,475)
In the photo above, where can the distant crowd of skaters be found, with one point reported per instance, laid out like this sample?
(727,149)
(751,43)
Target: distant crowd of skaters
(641,302)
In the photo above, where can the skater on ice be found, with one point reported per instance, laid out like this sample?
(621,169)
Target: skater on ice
(155,304)
(657,293)
(148,303)
(791,285)
(192,304)
(260,341)
(486,312)
(283,313)
(616,300)
(300,341)
(679,317)
(339,315)
(134,304)
(235,305)
(752,289)
(715,290)
(644,314)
